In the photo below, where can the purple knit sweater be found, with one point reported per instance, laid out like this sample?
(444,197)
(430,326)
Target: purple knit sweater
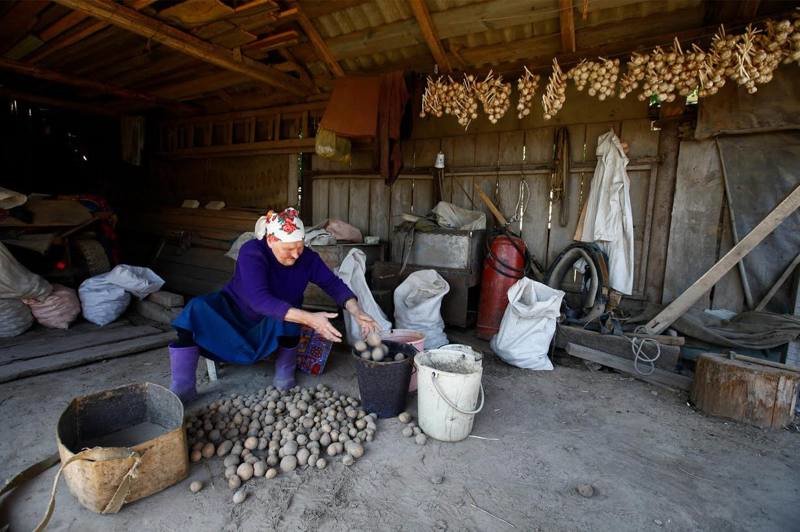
(261,286)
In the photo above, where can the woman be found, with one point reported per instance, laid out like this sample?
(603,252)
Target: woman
(258,312)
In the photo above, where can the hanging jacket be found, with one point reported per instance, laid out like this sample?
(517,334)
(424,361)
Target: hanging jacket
(607,217)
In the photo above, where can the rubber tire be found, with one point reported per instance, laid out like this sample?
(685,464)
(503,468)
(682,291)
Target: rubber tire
(94,256)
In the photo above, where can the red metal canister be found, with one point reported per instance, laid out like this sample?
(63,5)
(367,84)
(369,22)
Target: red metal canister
(503,266)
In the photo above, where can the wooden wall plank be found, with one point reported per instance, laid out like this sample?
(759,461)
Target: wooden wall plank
(507,194)
(561,236)
(693,236)
(423,196)
(425,151)
(319,196)
(463,194)
(539,145)
(534,224)
(401,201)
(359,207)
(447,189)
(642,141)
(577,143)
(463,151)
(511,144)
(488,184)
(486,149)
(339,199)
(379,201)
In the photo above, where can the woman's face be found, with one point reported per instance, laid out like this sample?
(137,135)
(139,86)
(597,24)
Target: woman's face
(286,253)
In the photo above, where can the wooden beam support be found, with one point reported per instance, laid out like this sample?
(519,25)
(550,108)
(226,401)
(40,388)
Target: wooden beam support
(684,302)
(316,39)
(59,39)
(567,19)
(273,42)
(61,104)
(423,16)
(121,92)
(128,19)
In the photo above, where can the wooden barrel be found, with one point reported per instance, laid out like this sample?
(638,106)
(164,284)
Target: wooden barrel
(752,393)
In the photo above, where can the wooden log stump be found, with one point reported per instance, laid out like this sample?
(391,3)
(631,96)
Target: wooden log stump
(751,393)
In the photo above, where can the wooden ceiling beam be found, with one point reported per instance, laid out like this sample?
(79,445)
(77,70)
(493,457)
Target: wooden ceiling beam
(423,16)
(57,102)
(149,28)
(105,88)
(316,39)
(274,41)
(18,20)
(567,21)
(62,40)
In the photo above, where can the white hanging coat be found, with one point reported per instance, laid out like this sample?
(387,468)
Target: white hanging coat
(607,216)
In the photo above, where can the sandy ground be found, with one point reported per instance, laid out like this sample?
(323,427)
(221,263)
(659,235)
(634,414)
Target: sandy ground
(654,462)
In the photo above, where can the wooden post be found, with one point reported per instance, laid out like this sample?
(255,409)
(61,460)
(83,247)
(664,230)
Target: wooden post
(684,302)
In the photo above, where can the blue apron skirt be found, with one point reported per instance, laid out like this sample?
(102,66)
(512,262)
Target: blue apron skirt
(221,329)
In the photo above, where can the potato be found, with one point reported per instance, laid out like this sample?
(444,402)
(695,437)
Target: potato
(417,431)
(230,471)
(288,463)
(360,345)
(373,339)
(354,448)
(302,456)
(421,439)
(251,443)
(321,463)
(272,460)
(224,448)
(245,471)
(404,417)
(231,460)
(399,356)
(259,468)
(239,497)
(366,354)
(195,486)
(198,446)
(196,456)
(214,435)
(271,473)
(377,354)
(234,482)
(208,450)
(347,460)
(408,432)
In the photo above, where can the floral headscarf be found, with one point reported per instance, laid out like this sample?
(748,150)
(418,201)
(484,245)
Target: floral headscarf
(284,226)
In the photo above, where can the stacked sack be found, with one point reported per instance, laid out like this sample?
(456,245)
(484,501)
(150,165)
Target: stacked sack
(161,306)
(25,296)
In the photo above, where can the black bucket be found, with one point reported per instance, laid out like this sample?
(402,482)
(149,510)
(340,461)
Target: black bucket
(384,385)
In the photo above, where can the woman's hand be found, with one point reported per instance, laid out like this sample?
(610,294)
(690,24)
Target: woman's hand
(320,322)
(365,321)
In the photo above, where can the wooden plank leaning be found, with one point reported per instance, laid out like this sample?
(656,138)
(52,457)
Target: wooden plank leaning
(682,303)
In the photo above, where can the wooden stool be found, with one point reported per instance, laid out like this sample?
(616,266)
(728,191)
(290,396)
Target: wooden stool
(738,389)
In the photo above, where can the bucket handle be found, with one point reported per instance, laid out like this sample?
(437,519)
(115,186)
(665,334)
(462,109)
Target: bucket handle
(454,407)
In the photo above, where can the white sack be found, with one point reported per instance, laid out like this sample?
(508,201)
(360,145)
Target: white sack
(11,198)
(352,271)
(607,215)
(137,280)
(528,325)
(17,282)
(102,302)
(418,304)
(57,310)
(244,238)
(454,217)
(15,317)
(105,297)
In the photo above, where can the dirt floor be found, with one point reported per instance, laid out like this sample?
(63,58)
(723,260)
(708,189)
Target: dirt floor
(653,461)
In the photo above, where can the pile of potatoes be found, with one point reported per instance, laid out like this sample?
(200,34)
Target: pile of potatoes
(411,429)
(271,430)
(374,349)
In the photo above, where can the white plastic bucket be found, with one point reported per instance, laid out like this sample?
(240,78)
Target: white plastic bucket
(450,393)
(468,349)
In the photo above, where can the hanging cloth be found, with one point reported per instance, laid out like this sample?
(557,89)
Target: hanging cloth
(607,217)
(352,111)
(393,98)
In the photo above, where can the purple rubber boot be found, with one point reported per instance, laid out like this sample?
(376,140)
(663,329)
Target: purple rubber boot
(183,362)
(285,364)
